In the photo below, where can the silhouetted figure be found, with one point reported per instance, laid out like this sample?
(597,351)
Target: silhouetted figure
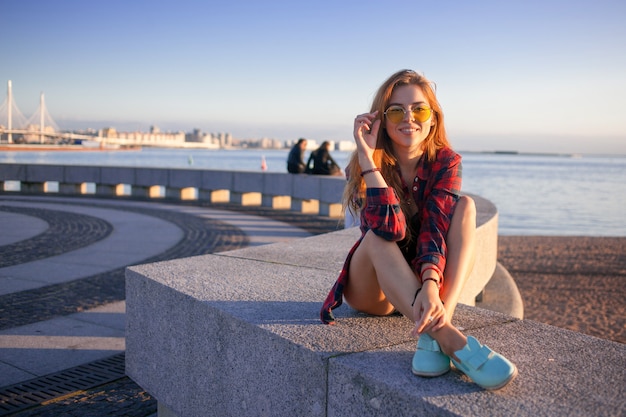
(295,160)
(323,163)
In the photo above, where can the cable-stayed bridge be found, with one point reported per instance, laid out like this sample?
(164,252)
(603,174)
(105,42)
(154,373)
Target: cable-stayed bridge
(39,127)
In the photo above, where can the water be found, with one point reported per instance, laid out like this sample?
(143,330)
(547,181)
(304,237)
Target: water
(551,195)
(535,194)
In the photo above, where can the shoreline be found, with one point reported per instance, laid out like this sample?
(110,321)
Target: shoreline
(64,148)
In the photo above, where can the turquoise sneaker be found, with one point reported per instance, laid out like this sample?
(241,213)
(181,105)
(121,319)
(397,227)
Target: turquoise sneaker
(429,360)
(485,367)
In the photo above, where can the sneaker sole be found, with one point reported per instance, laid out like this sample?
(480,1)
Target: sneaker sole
(503,384)
(429,374)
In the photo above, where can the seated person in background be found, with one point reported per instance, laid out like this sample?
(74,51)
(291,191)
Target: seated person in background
(295,160)
(323,163)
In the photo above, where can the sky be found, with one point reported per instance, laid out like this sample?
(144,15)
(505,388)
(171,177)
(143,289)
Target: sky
(531,76)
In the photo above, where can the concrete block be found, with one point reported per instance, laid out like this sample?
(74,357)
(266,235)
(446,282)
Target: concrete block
(559,376)
(185,178)
(216,339)
(217,180)
(307,187)
(276,202)
(230,339)
(330,188)
(244,182)
(44,173)
(277,184)
(117,175)
(75,174)
(148,177)
(13,172)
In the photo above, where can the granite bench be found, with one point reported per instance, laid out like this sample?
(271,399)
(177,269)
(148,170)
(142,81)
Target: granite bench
(238,334)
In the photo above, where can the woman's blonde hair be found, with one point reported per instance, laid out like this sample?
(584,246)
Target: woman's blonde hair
(384,157)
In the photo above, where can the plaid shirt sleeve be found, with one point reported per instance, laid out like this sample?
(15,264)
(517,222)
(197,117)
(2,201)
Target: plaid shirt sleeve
(383,216)
(437,193)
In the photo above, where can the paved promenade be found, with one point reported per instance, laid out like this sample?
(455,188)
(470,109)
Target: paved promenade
(62,303)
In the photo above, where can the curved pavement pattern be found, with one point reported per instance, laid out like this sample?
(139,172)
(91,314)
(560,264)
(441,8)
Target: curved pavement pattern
(62,263)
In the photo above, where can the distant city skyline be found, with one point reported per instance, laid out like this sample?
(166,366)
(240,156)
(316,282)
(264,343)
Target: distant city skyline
(535,76)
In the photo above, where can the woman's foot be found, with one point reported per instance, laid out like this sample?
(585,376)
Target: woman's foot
(428,359)
(485,367)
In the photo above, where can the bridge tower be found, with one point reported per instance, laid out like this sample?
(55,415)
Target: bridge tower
(42,114)
(9,115)
(42,118)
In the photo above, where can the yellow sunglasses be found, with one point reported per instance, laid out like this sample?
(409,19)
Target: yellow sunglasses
(396,113)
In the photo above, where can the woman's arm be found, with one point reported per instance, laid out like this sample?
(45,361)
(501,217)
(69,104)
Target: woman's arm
(442,193)
(382,213)
(442,189)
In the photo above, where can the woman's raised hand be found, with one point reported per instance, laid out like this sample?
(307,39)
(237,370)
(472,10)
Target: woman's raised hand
(365,132)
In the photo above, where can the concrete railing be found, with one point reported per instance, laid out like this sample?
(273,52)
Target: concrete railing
(312,194)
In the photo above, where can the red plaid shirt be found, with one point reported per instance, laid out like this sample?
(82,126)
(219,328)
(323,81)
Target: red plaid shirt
(435,190)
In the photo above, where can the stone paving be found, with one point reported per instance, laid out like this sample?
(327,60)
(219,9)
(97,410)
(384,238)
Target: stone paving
(201,236)
(67,231)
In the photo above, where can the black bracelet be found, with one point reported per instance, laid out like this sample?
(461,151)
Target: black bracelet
(369,171)
(415,298)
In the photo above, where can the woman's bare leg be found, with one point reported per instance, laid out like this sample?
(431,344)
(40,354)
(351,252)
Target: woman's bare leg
(364,292)
(461,241)
(381,280)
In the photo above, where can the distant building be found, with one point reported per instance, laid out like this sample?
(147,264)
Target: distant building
(346,145)
(155,137)
(197,136)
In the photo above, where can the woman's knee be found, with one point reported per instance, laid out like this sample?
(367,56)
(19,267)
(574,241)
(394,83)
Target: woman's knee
(373,243)
(466,207)
(464,214)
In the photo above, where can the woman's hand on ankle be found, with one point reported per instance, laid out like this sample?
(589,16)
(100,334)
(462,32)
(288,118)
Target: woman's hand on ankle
(428,311)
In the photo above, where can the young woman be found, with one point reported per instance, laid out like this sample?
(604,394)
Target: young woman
(417,245)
